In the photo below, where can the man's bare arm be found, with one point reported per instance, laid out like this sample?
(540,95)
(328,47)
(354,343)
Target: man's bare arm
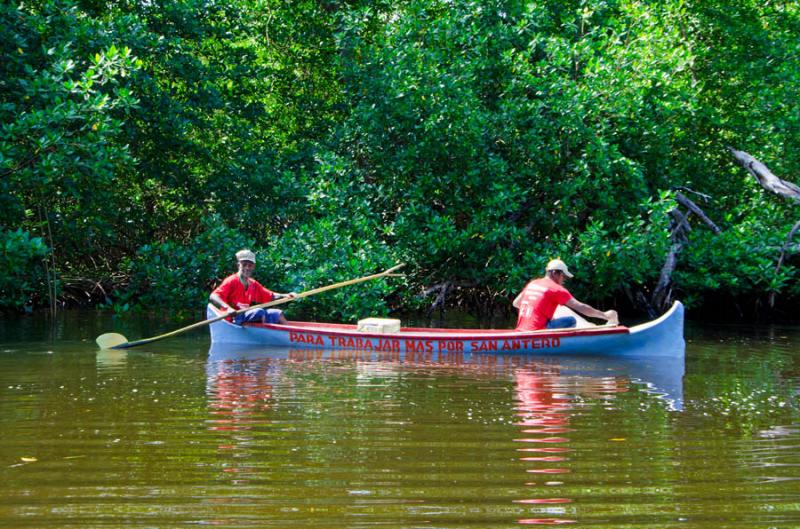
(587,310)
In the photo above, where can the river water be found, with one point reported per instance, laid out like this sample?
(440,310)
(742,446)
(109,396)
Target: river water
(175,434)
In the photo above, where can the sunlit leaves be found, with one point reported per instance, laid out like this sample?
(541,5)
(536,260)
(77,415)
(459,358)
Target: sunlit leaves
(474,139)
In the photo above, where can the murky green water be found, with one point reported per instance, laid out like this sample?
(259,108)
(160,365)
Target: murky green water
(175,435)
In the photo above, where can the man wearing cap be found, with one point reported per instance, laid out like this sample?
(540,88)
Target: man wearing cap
(240,290)
(541,297)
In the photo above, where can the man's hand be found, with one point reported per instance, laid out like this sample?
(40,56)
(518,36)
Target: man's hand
(290,295)
(611,317)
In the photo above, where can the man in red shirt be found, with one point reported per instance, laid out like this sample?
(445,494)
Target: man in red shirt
(541,297)
(240,290)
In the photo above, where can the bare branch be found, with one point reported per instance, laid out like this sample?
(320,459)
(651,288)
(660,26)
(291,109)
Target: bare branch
(765,177)
(679,224)
(692,191)
(691,206)
(787,246)
(660,298)
(440,290)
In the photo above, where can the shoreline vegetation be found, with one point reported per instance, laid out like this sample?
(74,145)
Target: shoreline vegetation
(652,147)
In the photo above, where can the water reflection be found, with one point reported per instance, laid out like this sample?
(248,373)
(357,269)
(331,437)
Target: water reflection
(111,359)
(661,375)
(256,395)
(239,399)
(547,396)
(549,392)
(171,436)
(543,411)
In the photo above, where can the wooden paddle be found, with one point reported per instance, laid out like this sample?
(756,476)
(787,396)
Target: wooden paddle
(113,340)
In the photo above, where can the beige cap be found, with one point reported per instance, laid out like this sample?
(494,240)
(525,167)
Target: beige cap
(246,255)
(558,264)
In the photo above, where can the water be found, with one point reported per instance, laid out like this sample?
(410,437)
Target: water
(176,435)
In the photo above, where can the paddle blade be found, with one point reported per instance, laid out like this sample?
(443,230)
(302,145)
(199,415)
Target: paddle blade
(110,340)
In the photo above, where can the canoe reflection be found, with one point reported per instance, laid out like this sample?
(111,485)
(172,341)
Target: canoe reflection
(547,395)
(250,389)
(660,375)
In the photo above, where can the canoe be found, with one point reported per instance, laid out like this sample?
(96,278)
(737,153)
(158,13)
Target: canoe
(660,337)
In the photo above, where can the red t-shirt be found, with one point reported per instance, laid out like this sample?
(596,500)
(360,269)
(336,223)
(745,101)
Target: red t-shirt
(540,299)
(232,292)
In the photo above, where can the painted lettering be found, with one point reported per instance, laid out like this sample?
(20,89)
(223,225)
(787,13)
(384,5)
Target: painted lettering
(511,345)
(313,339)
(384,344)
(419,346)
(451,346)
(484,345)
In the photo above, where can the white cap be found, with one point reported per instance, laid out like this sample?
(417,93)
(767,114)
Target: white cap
(558,264)
(246,255)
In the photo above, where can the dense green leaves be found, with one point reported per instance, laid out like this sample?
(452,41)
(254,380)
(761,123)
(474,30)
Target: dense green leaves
(473,140)
(20,271)
(501,136)
(181,275)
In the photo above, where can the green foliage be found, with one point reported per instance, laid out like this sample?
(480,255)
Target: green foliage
(341,238)
(495,136)
(473,140)
(741,261)
(318,254)
(61,116)
(179,277)
(21,268)
(630,257)
(746,60)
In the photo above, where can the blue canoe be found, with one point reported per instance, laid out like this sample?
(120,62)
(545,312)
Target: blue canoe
(660,337)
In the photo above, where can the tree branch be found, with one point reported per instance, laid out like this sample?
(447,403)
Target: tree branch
(691,206)
(441,290)
(692,191)
(765,177)
(787,245)
(773,184)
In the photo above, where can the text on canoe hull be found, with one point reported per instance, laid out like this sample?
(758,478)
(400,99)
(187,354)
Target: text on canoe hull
(425,346)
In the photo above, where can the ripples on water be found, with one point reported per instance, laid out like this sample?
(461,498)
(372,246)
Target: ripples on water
(176,436)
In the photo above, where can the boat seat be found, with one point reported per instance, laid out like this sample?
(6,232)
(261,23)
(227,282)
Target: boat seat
(582,323)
